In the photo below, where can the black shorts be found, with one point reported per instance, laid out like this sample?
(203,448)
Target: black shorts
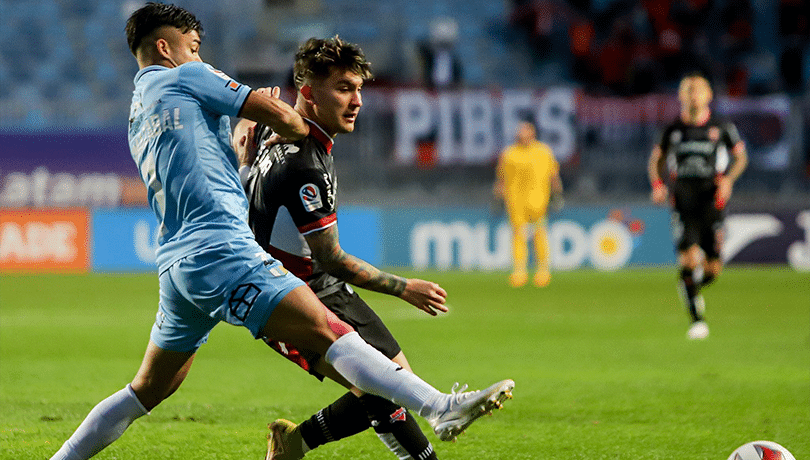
(695,218)
(349,307)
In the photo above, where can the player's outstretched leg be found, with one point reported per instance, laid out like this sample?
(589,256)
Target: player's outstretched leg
(370,371)
(103,425)
(160,374)
(465,407)
(300,318)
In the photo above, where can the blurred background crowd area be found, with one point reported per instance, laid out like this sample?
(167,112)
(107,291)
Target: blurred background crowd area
(64,65)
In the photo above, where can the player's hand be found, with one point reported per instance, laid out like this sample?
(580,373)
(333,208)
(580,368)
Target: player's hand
(276,139)
(425,295)
(659,194)
(243,142)
(724,187)
(274,92)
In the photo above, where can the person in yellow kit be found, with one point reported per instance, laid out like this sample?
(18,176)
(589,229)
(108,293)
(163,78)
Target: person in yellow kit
(527,179)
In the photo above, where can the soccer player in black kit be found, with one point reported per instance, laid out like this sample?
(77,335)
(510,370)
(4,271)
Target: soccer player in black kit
(292,190)
(704,156)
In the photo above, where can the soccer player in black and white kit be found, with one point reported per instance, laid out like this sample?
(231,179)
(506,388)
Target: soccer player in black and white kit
(292,192)
(704,156)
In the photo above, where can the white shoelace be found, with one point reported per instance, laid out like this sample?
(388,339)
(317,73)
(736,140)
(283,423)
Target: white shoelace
(457,394)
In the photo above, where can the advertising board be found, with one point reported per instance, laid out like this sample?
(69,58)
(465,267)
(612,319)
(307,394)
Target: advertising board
(37,240)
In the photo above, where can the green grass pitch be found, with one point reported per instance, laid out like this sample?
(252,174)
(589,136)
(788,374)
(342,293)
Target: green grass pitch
(601,362)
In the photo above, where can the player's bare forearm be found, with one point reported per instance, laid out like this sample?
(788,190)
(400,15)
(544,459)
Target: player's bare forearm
(362,274)
(266,108)
(739,164)
(655,165)
(326,250)
(424,295)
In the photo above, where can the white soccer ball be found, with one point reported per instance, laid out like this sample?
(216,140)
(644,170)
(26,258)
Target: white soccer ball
(761,450)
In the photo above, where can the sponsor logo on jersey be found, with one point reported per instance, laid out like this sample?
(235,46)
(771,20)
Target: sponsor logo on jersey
(277,271)
(331,187)
(310,197)
(218,73)
(231,84)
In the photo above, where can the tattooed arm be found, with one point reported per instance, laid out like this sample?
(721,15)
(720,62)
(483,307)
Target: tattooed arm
(425,295)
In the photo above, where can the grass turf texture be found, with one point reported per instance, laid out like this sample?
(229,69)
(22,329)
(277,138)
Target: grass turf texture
(602,366)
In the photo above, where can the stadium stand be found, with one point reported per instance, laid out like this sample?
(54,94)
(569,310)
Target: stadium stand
(64,64)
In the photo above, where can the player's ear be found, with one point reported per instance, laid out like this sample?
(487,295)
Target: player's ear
(306,91)
(162,47)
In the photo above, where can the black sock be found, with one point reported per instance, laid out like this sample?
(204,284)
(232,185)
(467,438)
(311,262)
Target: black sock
(343,418)
(390,420)
(708,278)
(691,291)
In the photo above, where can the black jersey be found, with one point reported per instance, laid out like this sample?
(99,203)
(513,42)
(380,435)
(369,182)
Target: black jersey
(698,152)
(292,191)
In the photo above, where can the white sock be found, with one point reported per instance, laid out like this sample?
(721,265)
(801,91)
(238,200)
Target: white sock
(369,370)
(103,425)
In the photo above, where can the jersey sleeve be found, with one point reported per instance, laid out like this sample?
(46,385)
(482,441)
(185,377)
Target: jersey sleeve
(309,200)
(662,141)
(214,90)
(732,136)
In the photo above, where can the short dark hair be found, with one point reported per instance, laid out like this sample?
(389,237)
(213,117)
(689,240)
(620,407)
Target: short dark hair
(696,74)
(317,58)
(152,16)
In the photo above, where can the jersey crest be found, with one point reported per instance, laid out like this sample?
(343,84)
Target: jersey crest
(310,197)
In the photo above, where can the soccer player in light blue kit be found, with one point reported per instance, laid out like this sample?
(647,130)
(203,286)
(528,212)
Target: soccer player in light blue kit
(210,267)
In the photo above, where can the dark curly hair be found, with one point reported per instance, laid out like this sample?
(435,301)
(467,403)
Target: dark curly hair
(317,58)
(152,16)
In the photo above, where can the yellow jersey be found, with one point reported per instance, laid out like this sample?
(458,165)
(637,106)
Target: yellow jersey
(527,172)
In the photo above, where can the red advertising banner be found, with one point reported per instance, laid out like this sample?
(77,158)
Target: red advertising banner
(36,240)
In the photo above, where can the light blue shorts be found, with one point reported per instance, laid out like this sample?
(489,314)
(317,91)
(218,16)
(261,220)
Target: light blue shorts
(238,286)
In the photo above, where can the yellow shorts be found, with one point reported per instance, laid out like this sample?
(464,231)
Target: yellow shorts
(524,214)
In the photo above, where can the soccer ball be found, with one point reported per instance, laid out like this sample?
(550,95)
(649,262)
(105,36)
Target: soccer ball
(761,450)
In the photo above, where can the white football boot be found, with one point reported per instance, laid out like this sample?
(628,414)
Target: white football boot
(465,407)
(698,331)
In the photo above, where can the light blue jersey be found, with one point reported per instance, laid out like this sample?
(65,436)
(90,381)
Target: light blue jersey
(211,269)
(179,136)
